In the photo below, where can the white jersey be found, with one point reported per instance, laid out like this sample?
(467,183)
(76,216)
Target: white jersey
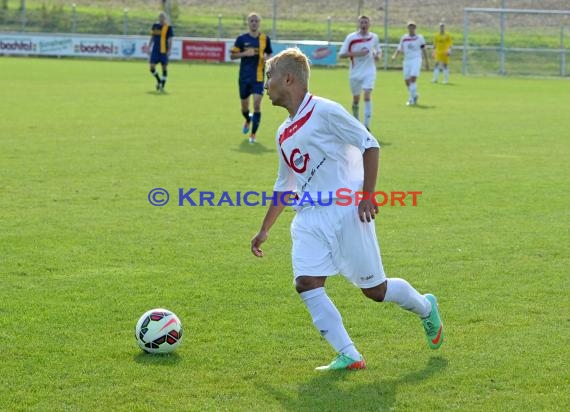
(355,42)
(412,46)
(320,150)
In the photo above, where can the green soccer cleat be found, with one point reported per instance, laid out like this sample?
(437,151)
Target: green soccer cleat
(433,325)
(343,362)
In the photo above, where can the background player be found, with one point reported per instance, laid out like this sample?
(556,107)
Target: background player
(322,148)
(253,48)
(363,49)
(441,51)
(414,47)
(160,46)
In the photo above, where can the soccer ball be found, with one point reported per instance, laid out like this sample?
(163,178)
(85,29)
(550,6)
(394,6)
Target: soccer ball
(158,331)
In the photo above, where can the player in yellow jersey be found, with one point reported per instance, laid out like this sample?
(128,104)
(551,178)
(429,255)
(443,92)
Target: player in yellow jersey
(441,51)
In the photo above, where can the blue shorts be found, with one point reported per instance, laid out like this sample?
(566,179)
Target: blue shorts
(247,88)
(161,58)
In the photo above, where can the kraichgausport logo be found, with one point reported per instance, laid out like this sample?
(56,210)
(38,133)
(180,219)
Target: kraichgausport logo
(340,197)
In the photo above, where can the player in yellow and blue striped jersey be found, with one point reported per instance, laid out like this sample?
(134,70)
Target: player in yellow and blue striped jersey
(253,48)
(159,47)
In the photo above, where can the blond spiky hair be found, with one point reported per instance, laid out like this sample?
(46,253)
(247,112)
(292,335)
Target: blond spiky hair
(293,61)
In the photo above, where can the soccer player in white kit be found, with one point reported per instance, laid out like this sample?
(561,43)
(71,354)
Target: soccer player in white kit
(414,47)
(323,148)
(363,49)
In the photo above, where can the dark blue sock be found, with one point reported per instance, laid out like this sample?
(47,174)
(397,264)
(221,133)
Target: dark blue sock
(245,114)
(155,74)
(256,119)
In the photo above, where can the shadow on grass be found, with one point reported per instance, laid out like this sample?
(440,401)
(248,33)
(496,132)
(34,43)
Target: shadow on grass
(157,359)
(157,93)
(332,391)
(446,84)
(422,106)
(253,148)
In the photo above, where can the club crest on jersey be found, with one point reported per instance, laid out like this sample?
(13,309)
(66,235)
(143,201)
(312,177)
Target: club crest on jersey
(297,161)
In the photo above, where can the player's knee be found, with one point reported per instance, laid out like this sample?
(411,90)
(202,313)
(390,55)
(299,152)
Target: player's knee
(306,283)
(377,293)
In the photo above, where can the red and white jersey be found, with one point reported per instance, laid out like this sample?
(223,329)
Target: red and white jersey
(412,46)
(356,42)
(320,150)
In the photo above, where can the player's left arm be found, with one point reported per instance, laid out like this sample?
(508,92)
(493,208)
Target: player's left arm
(424,54)
(367,210)
(350,131)
(377,50)
(169,46)
(268,51)
(450,44)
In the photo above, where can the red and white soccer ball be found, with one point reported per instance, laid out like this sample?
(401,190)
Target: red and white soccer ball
(158,331)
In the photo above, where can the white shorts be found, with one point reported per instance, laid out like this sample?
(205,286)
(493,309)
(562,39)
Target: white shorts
(357,84)
(328,240)
(412,68)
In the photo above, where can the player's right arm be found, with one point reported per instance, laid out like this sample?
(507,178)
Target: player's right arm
(239,54)
(399,49)
(283,191)
(238,51)
(150,45)
(344,52)
(271,216)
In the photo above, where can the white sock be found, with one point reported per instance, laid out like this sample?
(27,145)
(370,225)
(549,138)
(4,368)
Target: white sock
(436,73)
(328,321)
(410,92)
(367,112)
(401,292)
(446,74)
(413,90)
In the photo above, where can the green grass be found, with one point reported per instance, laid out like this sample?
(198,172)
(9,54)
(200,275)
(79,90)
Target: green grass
(83,254)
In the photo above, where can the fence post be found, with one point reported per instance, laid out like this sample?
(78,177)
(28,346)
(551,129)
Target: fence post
(502,52)
(73,18)
(219,26)
(274,31)
(329,31)
(562,52)
(465,41)
(125,21)
(23,16)
(386,52)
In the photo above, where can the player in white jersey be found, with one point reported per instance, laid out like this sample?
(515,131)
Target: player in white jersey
(414,48)
(321,149)
(363,49)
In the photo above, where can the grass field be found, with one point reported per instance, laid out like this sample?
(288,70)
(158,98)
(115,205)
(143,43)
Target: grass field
(83,254)
(296,19)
